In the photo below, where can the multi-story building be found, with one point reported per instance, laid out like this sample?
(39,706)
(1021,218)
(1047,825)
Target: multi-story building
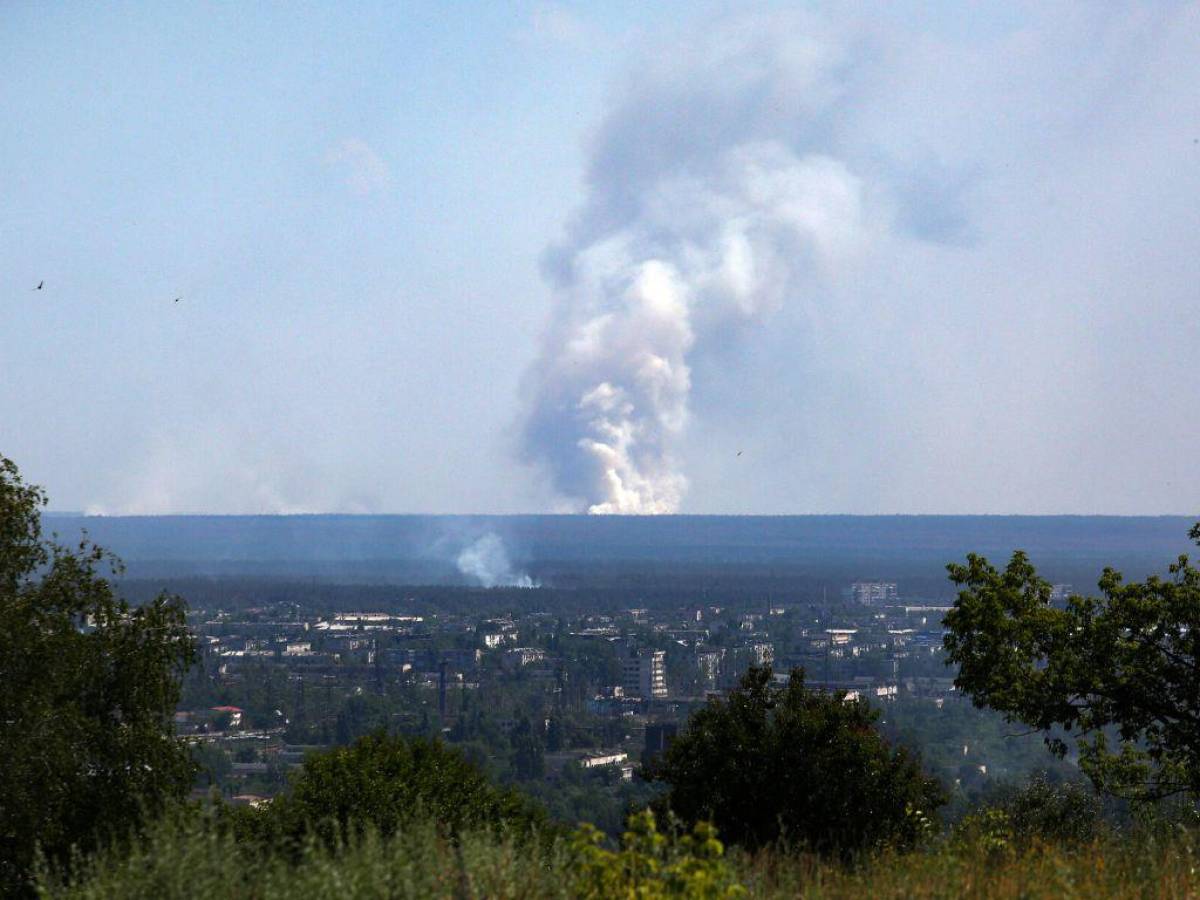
(739,659)
(708,666)
(644,674)
(519,657)
(762,654)
(874,593)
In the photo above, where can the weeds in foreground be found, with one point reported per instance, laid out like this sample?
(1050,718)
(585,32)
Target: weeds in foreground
(188,857)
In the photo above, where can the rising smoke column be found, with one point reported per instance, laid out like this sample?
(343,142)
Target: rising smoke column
(710,206)
(486,560)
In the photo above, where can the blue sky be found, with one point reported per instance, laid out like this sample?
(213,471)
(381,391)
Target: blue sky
(363,208)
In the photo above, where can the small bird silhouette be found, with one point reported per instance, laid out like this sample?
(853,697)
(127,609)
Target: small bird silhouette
(177,299)
(739,453)
(39,287)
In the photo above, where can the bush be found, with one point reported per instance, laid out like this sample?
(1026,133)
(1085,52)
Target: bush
(381,783)
(651,865)
(1068,815)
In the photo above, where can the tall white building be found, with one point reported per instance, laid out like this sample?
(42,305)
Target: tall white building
(874,593)
(644,674)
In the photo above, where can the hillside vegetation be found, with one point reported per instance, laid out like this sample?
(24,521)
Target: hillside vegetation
(195,859)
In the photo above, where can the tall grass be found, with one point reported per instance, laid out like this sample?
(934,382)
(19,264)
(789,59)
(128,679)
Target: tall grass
(1106,868)
(190,858)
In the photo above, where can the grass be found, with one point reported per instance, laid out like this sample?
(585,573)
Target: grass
(1110,868)
(191,859)
(187,858)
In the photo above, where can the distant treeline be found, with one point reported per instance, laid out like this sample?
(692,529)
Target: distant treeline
(569,588)
(598,589)
(783,553)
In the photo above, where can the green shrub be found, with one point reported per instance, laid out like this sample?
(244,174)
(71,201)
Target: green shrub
(1067,814)
(652,865)
(381,783)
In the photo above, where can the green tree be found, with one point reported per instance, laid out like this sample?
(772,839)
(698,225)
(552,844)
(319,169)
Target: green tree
(89,687)
(808,767)
(528,759)
(213,764)
(379,783)
(555,734)
(1119,671)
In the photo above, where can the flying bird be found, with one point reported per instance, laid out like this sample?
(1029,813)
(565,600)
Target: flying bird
(39,287)
(177,299)
(739,453)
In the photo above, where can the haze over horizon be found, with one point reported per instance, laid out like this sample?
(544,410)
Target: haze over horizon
(545,257)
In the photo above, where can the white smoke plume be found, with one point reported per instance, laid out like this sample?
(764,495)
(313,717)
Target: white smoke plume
(901,251)
(486,560)
(706,213)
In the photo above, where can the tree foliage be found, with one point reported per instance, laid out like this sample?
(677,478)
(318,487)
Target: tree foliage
(808,767)
(527,755)
(1119,671)
(382,782)
(89,686)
